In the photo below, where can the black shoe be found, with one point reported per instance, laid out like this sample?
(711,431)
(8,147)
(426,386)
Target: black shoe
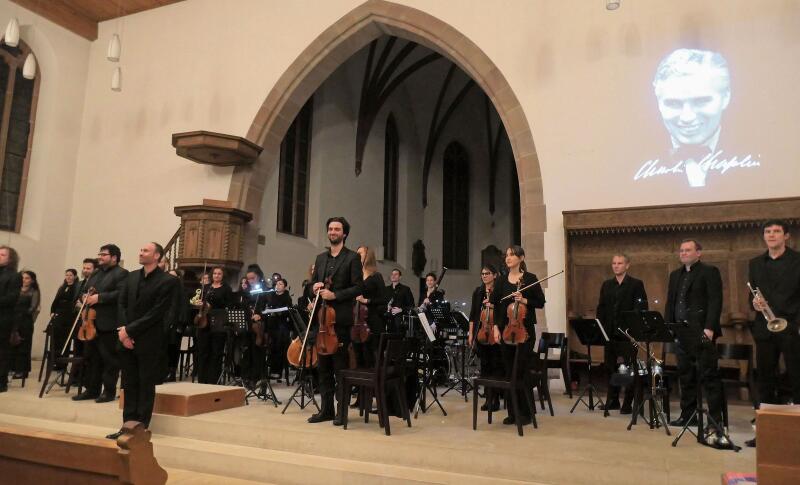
(509,420)
(750,443)
(85,396)
(626,410)
(106,398)
(495,406)
(3,388)
(681,422)
(20,375)
(320,417)
(610,406)
(114,436)
(338,422)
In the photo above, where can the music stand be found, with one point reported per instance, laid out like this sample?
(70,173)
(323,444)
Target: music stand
(304,383)
(648,327)
(427,385)
(461,384)
(590,332)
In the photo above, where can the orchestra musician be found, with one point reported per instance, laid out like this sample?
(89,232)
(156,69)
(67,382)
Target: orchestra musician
(619,294)
(431,293)
(145,300)
(776,274)
(342,268)
(374,299)
(695,296)
(108,281)
(489,354)
(532,298)
(278,329)
(399,295)
(210,344)
(10,285)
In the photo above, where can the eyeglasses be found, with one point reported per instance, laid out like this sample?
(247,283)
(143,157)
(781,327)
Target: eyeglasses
(485,274)
(104,254)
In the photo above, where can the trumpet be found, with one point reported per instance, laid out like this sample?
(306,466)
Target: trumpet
(774,324)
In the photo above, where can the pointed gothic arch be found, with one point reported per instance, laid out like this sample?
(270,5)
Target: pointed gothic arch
(334,46)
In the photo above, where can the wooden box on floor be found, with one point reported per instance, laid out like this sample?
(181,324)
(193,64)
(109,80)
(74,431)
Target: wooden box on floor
(189,399)
(778,449)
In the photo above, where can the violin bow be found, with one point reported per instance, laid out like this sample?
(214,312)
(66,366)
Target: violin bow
(72,330)
(531,285)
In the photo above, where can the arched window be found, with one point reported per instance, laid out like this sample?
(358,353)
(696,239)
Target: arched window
(294,174)
(455,207)
(390,183)
(17,111)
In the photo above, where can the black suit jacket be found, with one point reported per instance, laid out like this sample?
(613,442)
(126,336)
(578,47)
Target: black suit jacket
(782,296)
(704,296)
(143,311)
(347,282)
(617,298)
(108,283)
(401,297)
(10,284)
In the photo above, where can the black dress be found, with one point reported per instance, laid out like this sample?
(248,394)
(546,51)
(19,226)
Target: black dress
(63,311)
(535,297)
(279,334)
(25,315)
(211,344)
(374,291)
(491,362)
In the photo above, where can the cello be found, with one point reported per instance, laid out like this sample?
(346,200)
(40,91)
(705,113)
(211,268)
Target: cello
(327,342)
(486,334)
(295,353)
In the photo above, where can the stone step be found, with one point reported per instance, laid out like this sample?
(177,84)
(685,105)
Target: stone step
(257,464)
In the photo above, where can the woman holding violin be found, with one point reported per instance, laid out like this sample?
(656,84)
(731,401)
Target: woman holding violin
(62,311)
(370,306)
(517,316)
(484,334)
(278,330)
(211,345)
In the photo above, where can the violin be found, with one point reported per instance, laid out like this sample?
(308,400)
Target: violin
(486,334)
(327,342)
(88,331)
(515,332)
(257,326)
(359,333)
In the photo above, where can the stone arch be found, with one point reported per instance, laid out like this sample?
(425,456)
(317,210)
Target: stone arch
(333,47)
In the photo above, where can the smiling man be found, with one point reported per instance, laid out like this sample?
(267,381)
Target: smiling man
(693,89)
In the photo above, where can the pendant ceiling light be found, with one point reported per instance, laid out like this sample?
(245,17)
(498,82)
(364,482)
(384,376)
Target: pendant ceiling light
(29,68)
(116,80)
(612,4)
(114,48)
(12,32)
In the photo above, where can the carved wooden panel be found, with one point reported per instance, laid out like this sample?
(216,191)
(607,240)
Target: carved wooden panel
(211,234)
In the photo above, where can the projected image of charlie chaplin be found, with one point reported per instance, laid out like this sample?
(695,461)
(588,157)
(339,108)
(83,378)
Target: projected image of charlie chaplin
(693,89)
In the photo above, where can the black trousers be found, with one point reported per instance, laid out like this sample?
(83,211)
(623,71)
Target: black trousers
(210,350)
(614,352)
(5,352)
(21,360)
(59,331)
(768,353)
(329,366)
(525,363)
(692,351)
(104,363)
(491,360)
(140,373)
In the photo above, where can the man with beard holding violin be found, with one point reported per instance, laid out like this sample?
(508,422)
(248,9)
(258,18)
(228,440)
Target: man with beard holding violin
(341,267)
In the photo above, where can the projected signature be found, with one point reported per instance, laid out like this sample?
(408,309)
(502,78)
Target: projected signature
(693,90)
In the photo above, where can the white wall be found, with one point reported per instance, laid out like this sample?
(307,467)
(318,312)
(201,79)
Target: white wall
(62,59)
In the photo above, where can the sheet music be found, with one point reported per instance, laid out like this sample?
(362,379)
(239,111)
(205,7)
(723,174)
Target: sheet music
(426,326)
(602,329)
(275,310)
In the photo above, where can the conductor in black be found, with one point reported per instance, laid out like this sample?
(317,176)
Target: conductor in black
(695,296)
(143,306)
(342,267)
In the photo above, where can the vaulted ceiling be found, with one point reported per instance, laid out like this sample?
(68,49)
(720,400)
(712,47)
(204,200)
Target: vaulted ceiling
(82,16)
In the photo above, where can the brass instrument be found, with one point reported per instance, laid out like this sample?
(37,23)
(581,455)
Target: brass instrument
(641,347)
(774,324)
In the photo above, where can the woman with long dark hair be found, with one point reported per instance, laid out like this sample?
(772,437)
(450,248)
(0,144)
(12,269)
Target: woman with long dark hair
(25,315)
(483,301)
(211,344)
(62,311)
(532,298)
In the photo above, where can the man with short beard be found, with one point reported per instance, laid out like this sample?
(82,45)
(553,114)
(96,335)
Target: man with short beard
(10,284)
(144,304)
(101,352)
(342,267)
